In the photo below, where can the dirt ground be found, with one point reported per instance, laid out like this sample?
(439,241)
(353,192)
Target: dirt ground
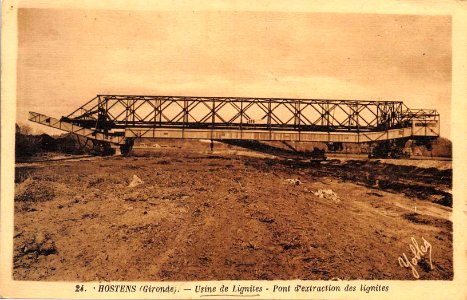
(212,216)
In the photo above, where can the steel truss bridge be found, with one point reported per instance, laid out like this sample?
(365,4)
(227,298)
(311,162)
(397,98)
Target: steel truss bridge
(119,119)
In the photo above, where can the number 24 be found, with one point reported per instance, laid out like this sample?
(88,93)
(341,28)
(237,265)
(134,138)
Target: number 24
(79,288)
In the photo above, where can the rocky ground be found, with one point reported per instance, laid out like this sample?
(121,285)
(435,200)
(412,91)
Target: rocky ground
(176,214)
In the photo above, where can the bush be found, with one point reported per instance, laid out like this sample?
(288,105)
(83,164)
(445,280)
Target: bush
(26,146)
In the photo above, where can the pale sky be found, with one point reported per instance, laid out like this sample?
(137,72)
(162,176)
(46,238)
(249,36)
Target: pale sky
(66,57)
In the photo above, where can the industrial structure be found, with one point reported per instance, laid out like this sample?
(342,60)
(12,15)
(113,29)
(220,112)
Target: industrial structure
(117,120)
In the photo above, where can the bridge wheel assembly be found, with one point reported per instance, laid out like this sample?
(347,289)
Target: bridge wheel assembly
(389,149)
(102,148)
(127,147)
(83,145)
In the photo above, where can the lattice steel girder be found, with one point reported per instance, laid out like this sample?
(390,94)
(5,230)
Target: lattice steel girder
(72,128)
(118,112)
(265,135)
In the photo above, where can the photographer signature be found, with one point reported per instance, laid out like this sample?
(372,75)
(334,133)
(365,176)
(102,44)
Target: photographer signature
(418,253)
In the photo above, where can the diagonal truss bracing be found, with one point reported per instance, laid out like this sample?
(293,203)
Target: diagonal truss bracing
(118,119)
(114,112)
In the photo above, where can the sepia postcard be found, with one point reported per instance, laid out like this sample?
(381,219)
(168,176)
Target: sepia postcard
(233,149)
